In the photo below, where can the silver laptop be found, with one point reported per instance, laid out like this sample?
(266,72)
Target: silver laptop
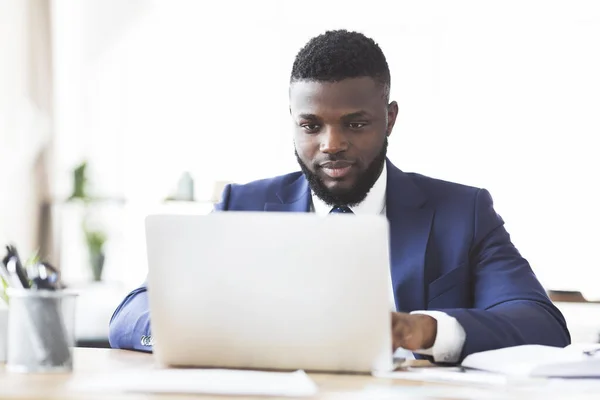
(270,291)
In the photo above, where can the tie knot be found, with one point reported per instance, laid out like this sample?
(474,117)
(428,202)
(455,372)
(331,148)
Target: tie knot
(341,210)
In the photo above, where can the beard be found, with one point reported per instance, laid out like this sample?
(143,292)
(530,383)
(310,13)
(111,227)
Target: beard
(346,197)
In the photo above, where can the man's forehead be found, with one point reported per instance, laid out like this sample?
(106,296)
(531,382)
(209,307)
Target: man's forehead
(348,94)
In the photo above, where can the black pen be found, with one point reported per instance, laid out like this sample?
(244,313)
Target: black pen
(15,268)
(46,277)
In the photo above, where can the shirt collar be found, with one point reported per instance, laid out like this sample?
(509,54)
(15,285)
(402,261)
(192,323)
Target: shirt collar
(373,204)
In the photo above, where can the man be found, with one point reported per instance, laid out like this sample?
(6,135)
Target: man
(460,285)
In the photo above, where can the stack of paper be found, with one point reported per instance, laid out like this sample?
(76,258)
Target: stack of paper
(520,366)
(575,361)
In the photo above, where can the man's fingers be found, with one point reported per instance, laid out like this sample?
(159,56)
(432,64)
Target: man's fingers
(403,338)
(402,332)
(398,330)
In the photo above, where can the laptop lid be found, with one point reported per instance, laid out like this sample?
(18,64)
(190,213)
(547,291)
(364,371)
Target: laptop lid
(270,291)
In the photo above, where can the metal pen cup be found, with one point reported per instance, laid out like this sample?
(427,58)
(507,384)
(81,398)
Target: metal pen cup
(41,330)
(3,332)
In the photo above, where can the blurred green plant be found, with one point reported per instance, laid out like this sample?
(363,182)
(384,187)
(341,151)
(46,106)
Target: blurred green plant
(95,240)
(3,294)
(33,259)
(80,183)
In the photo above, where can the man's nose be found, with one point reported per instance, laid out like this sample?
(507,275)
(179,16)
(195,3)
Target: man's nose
(333,141)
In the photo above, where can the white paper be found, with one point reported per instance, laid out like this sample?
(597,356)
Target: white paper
(537,361)
(479,385)
(537,390)
(445,375)
(202,381)
(425,392)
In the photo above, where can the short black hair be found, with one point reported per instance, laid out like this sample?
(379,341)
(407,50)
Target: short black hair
(341,54)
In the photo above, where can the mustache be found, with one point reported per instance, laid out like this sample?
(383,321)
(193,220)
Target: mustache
(333,160)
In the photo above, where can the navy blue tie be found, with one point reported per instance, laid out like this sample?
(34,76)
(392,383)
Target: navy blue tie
(341,210)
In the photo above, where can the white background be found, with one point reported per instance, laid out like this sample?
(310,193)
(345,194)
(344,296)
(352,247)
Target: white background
(498,94)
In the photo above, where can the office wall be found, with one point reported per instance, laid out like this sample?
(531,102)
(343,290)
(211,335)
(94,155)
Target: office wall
(25,121)
(502,95)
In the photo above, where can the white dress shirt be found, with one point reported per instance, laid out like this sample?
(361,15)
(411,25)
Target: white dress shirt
(451,335)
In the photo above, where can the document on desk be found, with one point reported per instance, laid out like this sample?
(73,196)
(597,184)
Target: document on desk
(202,381)
(574,361)
(445,375)
(516,366)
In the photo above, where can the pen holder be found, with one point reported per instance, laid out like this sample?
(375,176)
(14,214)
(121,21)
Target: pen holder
(3,332)
(41,325)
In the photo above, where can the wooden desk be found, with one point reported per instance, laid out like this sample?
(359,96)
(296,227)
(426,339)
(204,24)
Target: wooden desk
(90,362)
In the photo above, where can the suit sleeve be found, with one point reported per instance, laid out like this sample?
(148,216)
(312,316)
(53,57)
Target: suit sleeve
(223,205)
(129,327)
(510,306)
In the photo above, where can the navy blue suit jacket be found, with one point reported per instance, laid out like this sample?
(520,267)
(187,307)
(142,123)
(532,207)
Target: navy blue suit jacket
(449,251)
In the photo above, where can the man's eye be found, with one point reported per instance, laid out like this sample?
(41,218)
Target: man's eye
(310,127)
(357,125)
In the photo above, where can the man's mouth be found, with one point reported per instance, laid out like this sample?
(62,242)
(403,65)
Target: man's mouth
(336,169)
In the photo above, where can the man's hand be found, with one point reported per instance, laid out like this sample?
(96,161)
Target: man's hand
(413,331)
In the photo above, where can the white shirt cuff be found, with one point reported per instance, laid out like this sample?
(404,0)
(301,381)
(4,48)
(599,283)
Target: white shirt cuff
(449,340)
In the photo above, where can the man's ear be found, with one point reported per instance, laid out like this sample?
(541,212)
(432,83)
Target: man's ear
(392,113)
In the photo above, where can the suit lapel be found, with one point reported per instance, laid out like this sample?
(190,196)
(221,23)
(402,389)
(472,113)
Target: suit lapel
(292,198)
(410,225)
